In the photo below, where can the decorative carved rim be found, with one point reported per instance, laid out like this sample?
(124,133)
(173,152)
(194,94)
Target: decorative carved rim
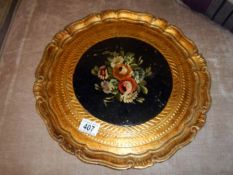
(122,147)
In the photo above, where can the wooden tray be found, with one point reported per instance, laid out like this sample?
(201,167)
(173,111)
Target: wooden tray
(122,89)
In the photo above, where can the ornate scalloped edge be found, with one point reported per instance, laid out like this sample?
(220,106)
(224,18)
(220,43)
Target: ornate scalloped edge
(127,161)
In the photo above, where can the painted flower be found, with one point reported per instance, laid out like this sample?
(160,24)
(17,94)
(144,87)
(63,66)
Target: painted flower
(116,60)
(122,71)
(127,86)
(128,98)
(107,87)
(122,78)
(103,72)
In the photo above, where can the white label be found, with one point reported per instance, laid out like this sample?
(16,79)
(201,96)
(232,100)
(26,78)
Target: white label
(89,127)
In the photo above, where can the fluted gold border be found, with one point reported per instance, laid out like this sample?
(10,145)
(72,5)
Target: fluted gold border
(138,146)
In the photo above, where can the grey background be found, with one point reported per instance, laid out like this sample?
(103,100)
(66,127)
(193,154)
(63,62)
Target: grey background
(25,145)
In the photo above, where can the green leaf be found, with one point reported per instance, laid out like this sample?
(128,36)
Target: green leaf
(105,103)
(148,71)
(129,54)
(143,83)
(134,66)
(97,87)
(114,91)
(109,98)
(95,70)
(122,53)
(118,96)
(107,63)
(144,89)
(109,70)
(139,74)
(109,59)
(129,60)
(140,60)
(110,53)
(140,99)
(107,53)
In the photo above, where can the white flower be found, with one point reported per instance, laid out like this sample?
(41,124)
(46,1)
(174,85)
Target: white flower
(116,60)
(107,87)
(128,98)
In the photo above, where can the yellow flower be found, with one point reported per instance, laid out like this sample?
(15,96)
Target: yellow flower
(122,71)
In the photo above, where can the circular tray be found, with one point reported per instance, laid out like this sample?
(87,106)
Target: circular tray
(136,77)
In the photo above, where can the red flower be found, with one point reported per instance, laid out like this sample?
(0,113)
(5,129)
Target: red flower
(127,86)
(103,73)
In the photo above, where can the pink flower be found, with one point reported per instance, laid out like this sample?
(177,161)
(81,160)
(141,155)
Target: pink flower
(103,73)
(127,86)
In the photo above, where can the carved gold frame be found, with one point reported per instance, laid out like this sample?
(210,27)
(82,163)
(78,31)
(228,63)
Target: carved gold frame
(122,147)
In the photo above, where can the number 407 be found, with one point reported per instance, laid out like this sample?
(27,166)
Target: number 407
(89,127)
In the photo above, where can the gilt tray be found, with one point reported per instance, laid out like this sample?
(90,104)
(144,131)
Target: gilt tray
(122,89)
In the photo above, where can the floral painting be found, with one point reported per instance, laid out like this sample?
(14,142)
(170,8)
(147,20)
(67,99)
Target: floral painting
(123,81)
(122,77)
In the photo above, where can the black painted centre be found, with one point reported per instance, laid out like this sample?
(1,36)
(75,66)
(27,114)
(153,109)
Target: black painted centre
(118,110)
